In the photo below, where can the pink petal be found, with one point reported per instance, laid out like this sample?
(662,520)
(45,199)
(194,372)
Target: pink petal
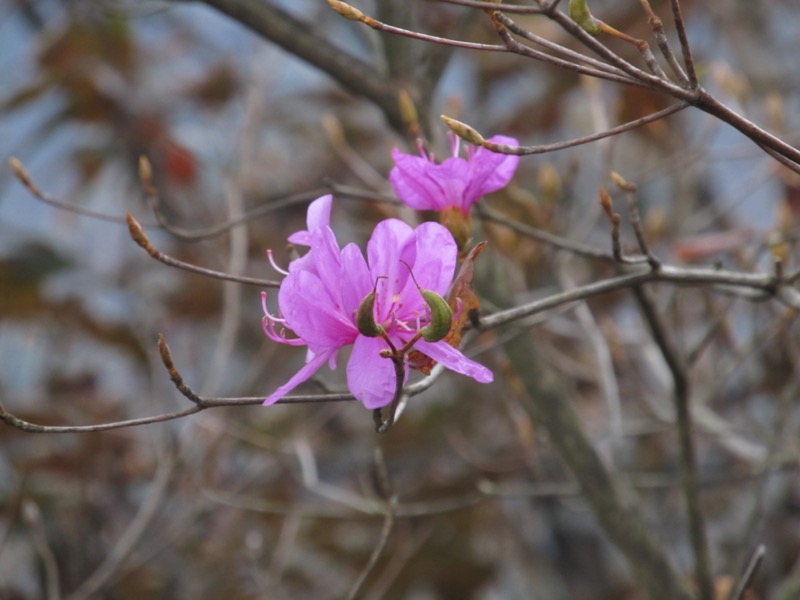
(454,360)
(356,280)
(490,171)
(317,216)
(392,241)
(305,373)
(436,257)
(411,183)
(312,313)
(370,377)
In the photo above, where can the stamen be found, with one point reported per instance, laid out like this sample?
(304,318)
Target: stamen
(421,147)
(268,322)
(274,264)
(455,143)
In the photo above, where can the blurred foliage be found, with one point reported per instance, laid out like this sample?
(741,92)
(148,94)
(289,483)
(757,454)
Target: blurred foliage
(280,502)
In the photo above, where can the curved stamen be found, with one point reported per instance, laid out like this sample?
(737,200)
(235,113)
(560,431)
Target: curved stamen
(274,264)
(268,325)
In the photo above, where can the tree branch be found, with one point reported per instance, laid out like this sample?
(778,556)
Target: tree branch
(294,36)
(551,410)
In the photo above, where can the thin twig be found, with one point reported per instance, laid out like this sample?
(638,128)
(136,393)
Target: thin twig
(750,571)
(509,8)
(689,476)
(277,25)
(528,150)
(636,219)
(514,46)
(137,233)
(554,47)
(33,517)
(551,410)
(21,173)
(540,235)
(133,534)
(688,60)
(354,14)
(383,488)
(663,44)
(193,235)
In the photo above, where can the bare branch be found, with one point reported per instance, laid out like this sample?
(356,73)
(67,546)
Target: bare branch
(278,26)
(688,60)
(689,475)
(529,150)
(140,237)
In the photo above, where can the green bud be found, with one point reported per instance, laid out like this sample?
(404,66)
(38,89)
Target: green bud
(441,317)
(365,317)
(580,13)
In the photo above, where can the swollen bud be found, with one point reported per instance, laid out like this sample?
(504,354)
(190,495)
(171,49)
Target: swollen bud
(441,317)
(464,131)
(365,317)
(580,13)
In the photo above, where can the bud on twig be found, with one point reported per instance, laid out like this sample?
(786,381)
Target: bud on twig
(347,11)
(464,131)
(580,13)
(408,111)
(20,172)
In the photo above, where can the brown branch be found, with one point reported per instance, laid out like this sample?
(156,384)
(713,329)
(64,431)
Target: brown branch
(552,411)
(140,237)
(544,148)
(298,38)
(383,488)
(689,476)
(688,60)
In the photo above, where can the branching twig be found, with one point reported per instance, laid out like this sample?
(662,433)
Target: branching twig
(133,534)
(154,201)
(689,475)
(636,219)
(688,60)
(580,141)
(353,14)
(554,413)
(25,179)
(139,236)
(277,25)
(663,44)
(384,490)
(540,235)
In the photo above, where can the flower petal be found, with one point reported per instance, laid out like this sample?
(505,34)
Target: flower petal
(454,360)
(317,216)
(305,373)
(411,183)
(313,314)
(392,241)
(370,377)
(436,258)
(356,280)
(490,171)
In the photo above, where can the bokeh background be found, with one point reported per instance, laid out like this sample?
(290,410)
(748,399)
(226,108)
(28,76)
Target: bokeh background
(281,502)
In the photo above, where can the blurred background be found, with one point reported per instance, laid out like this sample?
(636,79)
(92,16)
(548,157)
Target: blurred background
(281,502)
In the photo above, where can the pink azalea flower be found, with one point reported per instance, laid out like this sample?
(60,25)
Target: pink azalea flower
(424,185)
(321,294)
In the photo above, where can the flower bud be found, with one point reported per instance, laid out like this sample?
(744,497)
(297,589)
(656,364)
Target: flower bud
(441,317)
(580,13)
(365,317)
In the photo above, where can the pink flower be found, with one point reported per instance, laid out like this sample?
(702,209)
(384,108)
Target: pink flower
(321,294)
(424,185)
